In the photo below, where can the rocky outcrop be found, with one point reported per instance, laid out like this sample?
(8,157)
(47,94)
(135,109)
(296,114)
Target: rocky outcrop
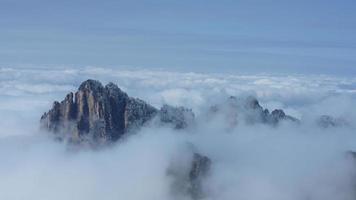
(99,114)
(277,116)
(200,168)
(187,178)
(249,111)
(96,114)
(137,113)
(179,117)
(327,121)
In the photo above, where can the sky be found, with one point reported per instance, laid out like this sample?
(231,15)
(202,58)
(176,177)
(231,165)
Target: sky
(298,56)
(228,36)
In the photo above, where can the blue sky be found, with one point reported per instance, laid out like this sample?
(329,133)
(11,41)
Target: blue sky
(250,36)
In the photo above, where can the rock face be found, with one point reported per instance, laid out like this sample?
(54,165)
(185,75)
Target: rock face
(187,180)
(96,113)
(180,117)
(326,121)
(200,168)
(100,114)
(249,111)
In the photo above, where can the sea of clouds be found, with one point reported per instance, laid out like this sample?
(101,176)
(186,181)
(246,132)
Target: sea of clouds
(249,162)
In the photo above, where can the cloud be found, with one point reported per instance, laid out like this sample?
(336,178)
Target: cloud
(249,161)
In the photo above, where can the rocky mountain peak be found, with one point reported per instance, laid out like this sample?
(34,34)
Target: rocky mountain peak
(94,114)
(248,111)
(327,121)
(252,103)
(114,90)
(98,114)
(91,85)
(180,117)
(278,113)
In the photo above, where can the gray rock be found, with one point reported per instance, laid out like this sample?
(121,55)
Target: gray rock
(277,116)
(200,168)
(96,114)
(327,121)
(249,111)
(187,179)
(179,117)
(137,113)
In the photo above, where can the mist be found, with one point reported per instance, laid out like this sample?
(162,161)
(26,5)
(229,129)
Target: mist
(249,161)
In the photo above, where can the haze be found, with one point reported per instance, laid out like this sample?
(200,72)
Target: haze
(242,36)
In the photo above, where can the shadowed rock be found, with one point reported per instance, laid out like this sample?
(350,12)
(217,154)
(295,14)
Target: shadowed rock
(200,168)
(137,113)
(97,115)
(180,117)
(278,115)
(188,179)
(326,121)
(249,111)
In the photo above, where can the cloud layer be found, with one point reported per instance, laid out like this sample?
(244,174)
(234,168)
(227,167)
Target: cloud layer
(249,162)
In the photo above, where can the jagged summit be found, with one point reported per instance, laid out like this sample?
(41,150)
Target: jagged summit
(98,114)
(327,121)
(92,85)
(94,113)
(248,111)
(179,116)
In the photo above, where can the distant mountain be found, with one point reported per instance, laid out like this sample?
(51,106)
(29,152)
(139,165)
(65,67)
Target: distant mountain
(248,111)
(327,121)
(98,114)
(189,180)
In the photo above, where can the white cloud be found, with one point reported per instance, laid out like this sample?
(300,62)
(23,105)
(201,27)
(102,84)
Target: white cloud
(249,162)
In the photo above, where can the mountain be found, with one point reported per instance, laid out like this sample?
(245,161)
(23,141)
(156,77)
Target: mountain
(247,111)
(327,121)
(188,179)
(97,115)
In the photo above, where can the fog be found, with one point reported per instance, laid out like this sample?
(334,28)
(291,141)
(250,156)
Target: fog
(249,162)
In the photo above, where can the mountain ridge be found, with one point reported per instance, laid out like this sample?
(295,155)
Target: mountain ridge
(98,114)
